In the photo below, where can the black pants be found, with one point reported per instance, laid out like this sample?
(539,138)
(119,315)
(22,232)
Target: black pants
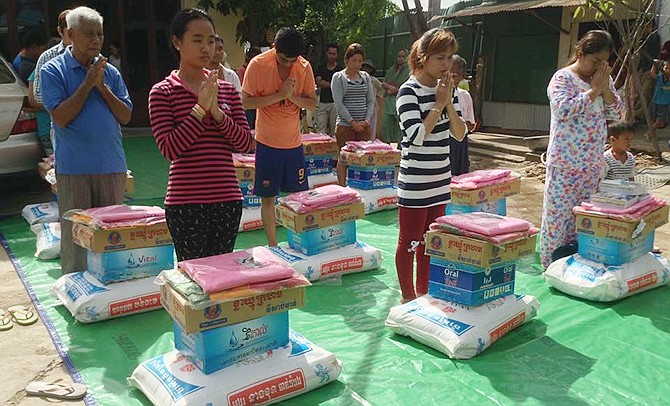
(203,230)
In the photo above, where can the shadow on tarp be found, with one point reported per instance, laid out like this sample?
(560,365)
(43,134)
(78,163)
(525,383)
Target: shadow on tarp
(652,304)
(527,364)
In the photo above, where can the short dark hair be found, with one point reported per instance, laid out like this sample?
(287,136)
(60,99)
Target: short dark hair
(288,41)
(34,37)
(332,45)
(217,38)
(253,51)
(182,18)
(617,128)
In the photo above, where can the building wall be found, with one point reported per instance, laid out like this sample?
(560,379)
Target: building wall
(225,26)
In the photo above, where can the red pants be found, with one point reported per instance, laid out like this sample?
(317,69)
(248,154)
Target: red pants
(413,225)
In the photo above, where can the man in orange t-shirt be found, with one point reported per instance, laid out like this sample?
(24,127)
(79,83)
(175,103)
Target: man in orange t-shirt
(278,83)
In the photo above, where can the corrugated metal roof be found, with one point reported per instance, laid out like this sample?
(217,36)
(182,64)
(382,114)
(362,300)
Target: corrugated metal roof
(499,7)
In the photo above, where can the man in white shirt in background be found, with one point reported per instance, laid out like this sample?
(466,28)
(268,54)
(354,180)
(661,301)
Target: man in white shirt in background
(216,62)
(459,155)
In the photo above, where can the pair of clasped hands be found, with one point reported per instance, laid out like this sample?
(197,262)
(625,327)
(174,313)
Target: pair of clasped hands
(600,81)
(445,91)
(208,95)
(95,77)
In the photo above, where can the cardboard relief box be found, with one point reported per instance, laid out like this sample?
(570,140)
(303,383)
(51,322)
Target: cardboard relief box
(245,174)
(621,230)
(489,193)
(120,238)
(225,313)
(319,218)
(320,148)
(476,252)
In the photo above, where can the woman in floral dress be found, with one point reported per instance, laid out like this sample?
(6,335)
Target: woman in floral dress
(582,99)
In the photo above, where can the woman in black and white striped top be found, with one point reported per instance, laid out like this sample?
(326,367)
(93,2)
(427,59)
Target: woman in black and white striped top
(429,115)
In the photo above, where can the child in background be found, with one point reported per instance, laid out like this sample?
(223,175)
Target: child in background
(619,162)
(661,100)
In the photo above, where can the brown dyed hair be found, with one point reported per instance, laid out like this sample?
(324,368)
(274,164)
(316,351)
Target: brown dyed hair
(593,42)
(62,22)
(431,42)
(354,49)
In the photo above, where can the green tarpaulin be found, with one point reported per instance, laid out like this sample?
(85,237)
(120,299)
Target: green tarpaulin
(574,352)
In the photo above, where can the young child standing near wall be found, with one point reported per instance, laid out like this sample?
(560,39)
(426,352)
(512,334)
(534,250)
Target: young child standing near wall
(619,162)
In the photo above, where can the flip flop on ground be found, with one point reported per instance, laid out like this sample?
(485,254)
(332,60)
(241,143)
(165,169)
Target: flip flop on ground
(23,315)
(58,389)
(5,320)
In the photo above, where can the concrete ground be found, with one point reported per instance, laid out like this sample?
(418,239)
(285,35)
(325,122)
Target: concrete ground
(28,353)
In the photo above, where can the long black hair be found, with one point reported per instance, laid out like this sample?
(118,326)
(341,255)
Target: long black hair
(180,22)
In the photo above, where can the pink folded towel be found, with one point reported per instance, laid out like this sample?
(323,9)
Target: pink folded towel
(637,214)
(316,137)
(480,179)
(240,268)
(484,223)
(244,160)
(120,215)
(322,197)
(495,239)
(368,146)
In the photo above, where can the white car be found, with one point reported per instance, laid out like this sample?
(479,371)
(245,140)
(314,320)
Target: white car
(20,148)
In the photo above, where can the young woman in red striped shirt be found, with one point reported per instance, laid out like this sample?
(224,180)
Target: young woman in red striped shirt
(198,121)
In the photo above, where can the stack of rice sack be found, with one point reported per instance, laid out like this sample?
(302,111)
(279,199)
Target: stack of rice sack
(320,151)
(372,172)
(615,234)
(44,221)
(321,233)
(127,246)
(232,337)
(485,190)
(245,168)
(470,301)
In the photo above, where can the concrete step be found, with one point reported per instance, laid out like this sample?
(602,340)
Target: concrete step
(501,155)
(507,144)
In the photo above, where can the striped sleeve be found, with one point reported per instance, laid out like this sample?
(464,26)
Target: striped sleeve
(409,113)
(173,139)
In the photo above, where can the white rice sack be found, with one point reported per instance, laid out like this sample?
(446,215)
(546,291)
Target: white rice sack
(460,331)
(48,240)
(251,219)
(89,300)
(171,380)
(580,277)
(379,199)
(357,257)
(323,179)
(41,213)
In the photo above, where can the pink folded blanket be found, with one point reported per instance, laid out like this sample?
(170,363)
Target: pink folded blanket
(119,215)
(244,160)
(480,179)
(484,223)
(322,197)
(240,268)
(368,146)
(495,239)
(624,214)
(316,137)
(648,201)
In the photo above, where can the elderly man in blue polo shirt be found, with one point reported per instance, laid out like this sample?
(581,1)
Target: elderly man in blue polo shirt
(87,99)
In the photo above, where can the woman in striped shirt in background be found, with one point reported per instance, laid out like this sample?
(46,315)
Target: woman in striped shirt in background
(354,99)
(198,121)
(429,115)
